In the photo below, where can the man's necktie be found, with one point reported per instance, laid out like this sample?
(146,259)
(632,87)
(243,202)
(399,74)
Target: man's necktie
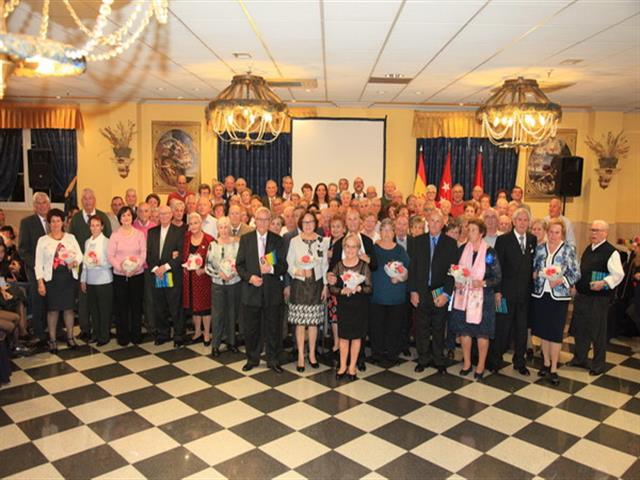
(434,242)
(522,244)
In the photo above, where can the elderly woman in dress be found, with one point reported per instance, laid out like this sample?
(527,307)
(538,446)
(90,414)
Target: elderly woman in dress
(473,313)
(225,286)
(308,262)
(196,287)
(58,256)
(555,271)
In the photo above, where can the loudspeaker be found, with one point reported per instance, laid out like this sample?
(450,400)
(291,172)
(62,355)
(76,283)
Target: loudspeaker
(568,176)
(40,168)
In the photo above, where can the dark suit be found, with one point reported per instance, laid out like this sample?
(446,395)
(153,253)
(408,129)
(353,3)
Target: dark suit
(261,305)
(430,320)
(265,201)
(80,229)
(31,230)
(516,286)
(167,301)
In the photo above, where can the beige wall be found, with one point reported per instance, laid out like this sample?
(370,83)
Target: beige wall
(620,203)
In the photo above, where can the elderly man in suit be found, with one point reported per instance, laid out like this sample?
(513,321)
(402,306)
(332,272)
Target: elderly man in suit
(261,262)
(31,229)
(271,191)
(164,251)
(515,253)
(430,287)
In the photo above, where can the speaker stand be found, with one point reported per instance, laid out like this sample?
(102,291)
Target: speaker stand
(564,204)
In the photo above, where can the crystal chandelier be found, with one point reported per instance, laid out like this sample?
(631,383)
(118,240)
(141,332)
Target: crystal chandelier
(39,56)
(247,112)
(519,114)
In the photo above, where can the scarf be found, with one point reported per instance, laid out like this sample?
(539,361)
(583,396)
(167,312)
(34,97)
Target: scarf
(470,299)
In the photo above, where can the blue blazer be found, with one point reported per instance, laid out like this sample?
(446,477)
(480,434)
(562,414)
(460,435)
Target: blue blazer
(566,258)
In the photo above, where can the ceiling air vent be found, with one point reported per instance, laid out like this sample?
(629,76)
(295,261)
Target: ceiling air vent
(390,80)
(292,82)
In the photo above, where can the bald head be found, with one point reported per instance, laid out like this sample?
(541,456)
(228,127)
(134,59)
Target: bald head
(165,215)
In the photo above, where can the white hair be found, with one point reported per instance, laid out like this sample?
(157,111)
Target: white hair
(601,223)
(521,210)
(40,195)
(192,215)
(88,191)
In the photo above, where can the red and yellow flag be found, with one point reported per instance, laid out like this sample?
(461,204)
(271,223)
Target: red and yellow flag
(420,186)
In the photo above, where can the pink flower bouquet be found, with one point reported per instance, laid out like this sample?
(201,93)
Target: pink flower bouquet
(91,258)
(228,267)
(306,262)
(66,255)
(460,274)
(130,264)
(551,273)
(352,279)
(395,269)
(194,262)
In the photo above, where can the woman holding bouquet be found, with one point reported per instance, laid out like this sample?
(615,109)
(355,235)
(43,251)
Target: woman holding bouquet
(473,314)
(389,299)
(555,272)
(351,284)
(307,260)
(225,286)
(127,251)
(56,268)
(196,285)
(96,281)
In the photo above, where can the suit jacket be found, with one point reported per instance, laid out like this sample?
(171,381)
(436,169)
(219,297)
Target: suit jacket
(173,243)
(248,264)
(265,201)
(244,228)
(80,229)
(445,255)
(517,268)
(31,230)
(367,244)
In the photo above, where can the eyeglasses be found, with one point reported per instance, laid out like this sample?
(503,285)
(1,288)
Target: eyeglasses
(307,222)
(598,230)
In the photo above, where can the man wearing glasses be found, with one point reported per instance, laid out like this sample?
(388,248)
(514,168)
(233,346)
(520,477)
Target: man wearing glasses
(600,272)
(261,262)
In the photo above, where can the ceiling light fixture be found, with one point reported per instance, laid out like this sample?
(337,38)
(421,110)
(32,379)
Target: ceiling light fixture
(394,75)
(519,114)
(247,112)
(39,56)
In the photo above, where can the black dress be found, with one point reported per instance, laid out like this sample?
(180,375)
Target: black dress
(353,311)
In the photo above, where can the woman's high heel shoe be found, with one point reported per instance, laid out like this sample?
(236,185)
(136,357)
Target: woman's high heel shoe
(465,371)
(71,343)
(207,343)
(478,376)
(53,347)
(314,364)
(340,376)
(299,368)
(197,339)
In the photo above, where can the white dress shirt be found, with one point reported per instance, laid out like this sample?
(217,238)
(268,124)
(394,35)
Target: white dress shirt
(614,266)
(210,226)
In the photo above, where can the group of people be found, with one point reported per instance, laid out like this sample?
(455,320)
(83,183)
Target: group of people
(385,268)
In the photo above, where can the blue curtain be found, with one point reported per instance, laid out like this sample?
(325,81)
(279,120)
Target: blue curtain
(258,164)
(10,160)
(499,165)
(64,145)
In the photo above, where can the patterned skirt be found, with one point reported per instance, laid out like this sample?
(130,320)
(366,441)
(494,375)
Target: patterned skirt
(305,304)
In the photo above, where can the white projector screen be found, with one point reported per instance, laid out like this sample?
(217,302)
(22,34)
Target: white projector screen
(325,150)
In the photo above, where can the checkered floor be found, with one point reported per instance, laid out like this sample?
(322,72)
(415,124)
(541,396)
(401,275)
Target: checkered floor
(161,413)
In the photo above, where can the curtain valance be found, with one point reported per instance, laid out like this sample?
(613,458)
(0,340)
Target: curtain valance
(446,124)
(299,112)
(19,115)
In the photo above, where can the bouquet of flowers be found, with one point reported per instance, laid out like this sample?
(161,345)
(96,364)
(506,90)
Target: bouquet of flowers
(306,262)
(130,264)
(91,258)
(460,274)
(228,267)
(67,256)
(193,263)
(395,269)
(551,273)
(352,279)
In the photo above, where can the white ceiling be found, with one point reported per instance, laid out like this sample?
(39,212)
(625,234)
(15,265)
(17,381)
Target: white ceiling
(455,50)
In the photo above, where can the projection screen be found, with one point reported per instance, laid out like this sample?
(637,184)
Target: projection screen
(325,150)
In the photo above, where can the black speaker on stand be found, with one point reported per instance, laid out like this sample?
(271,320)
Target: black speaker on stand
(40,169)
(568,177)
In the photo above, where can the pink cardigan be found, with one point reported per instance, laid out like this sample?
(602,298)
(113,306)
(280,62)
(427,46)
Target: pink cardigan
(122,246)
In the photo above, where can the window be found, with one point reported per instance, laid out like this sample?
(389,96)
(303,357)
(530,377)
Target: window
(15,192)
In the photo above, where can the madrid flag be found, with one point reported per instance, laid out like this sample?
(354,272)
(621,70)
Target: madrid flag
(478,179)
(420,186)
(445,181)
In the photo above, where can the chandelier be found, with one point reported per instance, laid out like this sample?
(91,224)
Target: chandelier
(247,112)
(519,114)
(39,56)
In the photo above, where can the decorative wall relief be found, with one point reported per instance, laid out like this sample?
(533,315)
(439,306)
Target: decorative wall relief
(120,138)
(176,151)
(609,151)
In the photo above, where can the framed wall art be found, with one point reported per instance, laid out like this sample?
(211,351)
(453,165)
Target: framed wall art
(541,171)
(176,151)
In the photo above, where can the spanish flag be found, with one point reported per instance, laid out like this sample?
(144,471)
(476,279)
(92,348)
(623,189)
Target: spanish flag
(420,187)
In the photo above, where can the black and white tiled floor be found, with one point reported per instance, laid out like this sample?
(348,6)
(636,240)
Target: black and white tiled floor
(161,413)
